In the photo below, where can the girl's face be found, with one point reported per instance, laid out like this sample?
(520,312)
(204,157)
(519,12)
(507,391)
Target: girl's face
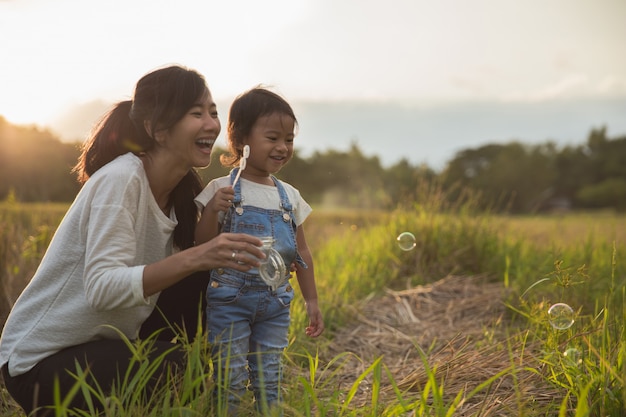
(192,138)
(271,145)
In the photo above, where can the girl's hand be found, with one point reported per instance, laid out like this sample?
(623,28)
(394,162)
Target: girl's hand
(316,322)
(222,200)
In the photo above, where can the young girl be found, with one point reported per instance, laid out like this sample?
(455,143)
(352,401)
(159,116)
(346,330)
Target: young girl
(248,320)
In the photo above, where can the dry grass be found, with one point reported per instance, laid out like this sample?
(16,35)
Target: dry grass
(460,324)
(563,231)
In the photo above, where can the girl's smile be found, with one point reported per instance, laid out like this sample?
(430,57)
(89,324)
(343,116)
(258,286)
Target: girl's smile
(271,146)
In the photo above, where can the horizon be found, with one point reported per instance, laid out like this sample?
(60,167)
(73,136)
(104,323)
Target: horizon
(421,134)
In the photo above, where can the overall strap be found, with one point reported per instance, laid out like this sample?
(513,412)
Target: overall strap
(285,204)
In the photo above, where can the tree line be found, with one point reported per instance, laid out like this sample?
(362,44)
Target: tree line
(513,177)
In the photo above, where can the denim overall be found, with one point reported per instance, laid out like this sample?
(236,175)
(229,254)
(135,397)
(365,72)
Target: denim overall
(248,322)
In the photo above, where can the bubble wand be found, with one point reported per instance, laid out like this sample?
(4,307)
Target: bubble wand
(242,163)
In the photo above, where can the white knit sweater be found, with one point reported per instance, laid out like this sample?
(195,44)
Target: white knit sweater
(90,279)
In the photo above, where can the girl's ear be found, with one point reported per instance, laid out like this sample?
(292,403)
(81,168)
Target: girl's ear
(240,145)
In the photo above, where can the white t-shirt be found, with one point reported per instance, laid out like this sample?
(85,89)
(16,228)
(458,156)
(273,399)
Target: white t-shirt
(91,275)
(258,195)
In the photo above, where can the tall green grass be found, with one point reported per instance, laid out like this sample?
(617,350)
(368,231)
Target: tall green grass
(539,260)
(25,232)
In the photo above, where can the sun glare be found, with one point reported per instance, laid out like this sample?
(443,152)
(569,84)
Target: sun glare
(19,113)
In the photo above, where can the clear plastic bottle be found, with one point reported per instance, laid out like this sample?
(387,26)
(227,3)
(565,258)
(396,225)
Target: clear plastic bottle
(272,268)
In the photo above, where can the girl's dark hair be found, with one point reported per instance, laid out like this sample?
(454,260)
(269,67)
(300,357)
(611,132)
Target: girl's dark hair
(244,112)
(161,99)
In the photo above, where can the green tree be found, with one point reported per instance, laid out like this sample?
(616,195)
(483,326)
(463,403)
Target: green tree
(403,180)
(36,164)
(605,182)
(509,177)
(347,179)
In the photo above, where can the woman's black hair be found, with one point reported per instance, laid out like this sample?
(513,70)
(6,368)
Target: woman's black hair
(161,99)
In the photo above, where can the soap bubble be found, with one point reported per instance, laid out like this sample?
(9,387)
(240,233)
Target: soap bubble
(406,241)
(573,356)
(561,316)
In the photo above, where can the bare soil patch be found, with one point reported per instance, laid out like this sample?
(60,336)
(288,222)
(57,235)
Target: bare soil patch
(460,323)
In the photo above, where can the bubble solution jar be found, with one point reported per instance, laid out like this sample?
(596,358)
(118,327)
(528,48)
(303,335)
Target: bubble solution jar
(272,268)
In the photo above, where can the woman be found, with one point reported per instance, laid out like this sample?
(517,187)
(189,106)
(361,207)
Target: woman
(127,237)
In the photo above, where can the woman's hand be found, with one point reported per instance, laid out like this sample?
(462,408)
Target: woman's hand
(227,250)
(231,250)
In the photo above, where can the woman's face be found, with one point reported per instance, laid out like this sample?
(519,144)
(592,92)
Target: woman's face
(192,138)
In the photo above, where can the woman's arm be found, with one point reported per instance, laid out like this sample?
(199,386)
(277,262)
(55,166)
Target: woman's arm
(216,253)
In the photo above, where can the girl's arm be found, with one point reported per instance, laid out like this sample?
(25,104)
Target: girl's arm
(306,280)
(207,227)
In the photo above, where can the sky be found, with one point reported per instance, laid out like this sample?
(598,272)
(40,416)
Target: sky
(58,58)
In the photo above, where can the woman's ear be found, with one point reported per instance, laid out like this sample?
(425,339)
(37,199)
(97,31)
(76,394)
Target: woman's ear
(158,136)
(148,127)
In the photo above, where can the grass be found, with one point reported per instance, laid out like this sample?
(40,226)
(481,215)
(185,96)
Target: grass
(520,366)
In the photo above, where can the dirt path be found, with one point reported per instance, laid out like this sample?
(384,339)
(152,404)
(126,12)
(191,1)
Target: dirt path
(460,324)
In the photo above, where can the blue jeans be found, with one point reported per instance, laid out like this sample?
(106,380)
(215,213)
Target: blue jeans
(248,326)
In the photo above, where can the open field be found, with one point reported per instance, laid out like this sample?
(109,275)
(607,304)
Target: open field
(459,325)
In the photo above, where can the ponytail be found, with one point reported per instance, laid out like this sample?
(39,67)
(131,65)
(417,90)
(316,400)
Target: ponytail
(113,136)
